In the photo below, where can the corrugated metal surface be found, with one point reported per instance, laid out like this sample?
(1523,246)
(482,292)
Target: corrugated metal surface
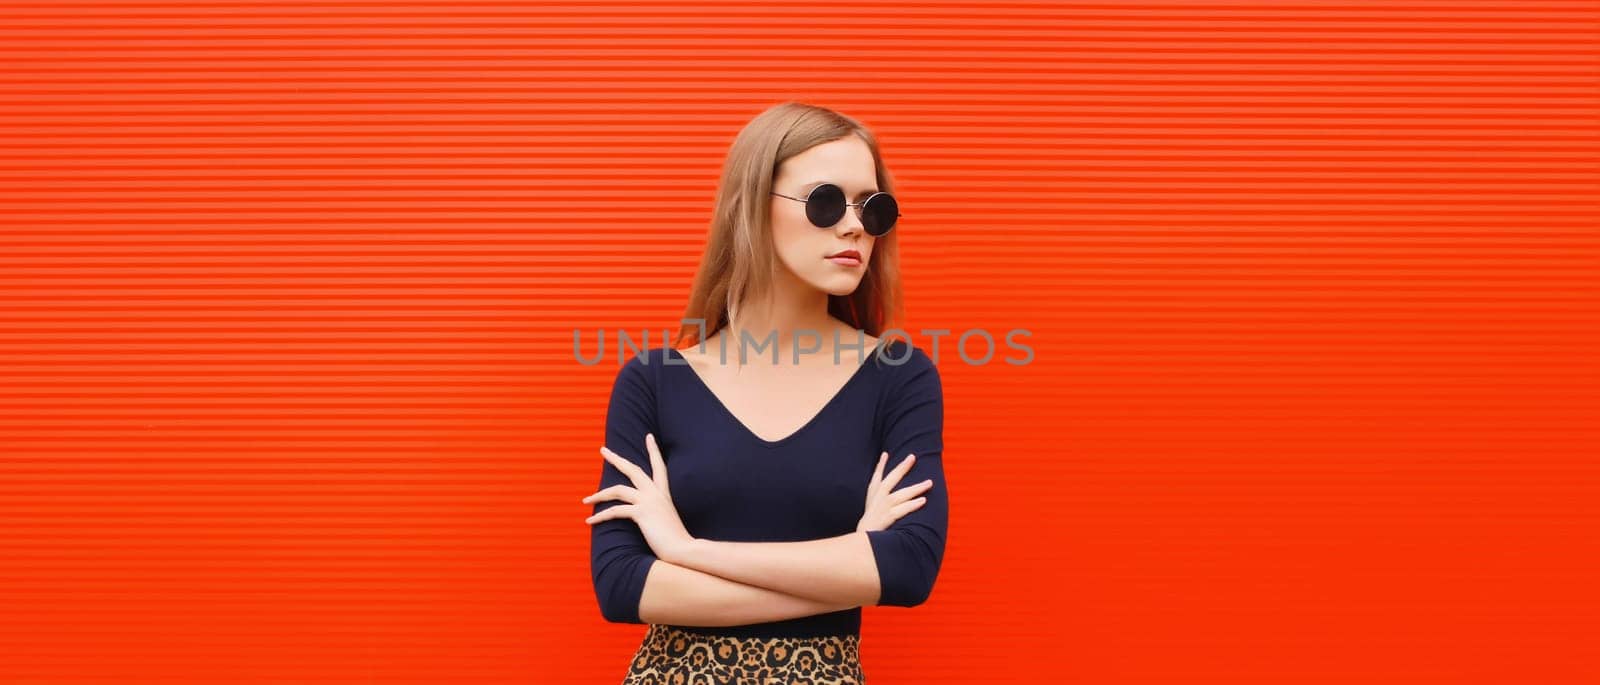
(287,293)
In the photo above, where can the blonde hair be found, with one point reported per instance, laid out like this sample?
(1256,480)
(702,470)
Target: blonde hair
(739,258)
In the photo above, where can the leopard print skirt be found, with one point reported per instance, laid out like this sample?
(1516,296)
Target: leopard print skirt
(672,656)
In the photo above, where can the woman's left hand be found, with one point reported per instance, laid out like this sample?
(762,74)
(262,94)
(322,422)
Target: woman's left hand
(649,502)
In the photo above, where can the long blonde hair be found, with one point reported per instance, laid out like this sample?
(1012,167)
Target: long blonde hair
(740,260)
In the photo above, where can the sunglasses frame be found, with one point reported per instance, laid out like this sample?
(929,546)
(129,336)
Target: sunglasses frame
(861,208)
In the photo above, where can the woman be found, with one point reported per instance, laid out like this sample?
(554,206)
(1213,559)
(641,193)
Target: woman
(749,502)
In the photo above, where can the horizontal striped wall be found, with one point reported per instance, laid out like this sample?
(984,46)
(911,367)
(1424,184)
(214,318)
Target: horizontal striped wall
(287,289)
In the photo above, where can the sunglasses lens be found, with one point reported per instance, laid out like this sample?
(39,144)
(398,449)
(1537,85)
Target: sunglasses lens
(879,213)
(825,205)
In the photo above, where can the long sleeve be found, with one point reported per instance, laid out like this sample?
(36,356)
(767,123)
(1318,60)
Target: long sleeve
(619,557)
(910,551)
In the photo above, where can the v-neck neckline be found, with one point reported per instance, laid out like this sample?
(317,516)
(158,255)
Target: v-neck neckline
(815,418)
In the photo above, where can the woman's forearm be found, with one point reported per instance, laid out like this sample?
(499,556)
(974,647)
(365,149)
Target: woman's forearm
(683,596)
(836,570)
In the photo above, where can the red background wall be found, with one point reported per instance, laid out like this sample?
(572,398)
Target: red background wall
(287,291)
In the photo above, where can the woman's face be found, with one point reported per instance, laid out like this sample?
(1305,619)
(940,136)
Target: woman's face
(802,246)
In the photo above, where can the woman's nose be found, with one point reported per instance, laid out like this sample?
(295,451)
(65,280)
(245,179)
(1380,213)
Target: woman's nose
(850,224)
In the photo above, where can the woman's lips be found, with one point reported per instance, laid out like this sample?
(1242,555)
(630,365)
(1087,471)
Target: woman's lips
(845,261)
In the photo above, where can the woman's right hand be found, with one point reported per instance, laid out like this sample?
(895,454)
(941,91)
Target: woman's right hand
(886,505)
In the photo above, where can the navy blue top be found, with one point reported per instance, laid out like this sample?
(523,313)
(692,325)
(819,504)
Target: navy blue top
(730,484)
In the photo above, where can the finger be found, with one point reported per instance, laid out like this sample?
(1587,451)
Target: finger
(628,468)
(658,465)
(899,471)
(615,492)
(907,507)
(877,473)
(619,511)
(908,491)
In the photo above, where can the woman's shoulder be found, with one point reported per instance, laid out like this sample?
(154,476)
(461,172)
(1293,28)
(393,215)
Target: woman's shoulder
(907,375)
(903,357)
(643,367)
(911,396)
(652,356)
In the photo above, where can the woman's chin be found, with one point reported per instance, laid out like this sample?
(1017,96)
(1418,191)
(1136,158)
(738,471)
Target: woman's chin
(838,284)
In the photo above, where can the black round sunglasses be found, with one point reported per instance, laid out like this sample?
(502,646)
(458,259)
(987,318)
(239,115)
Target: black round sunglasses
(825,206)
